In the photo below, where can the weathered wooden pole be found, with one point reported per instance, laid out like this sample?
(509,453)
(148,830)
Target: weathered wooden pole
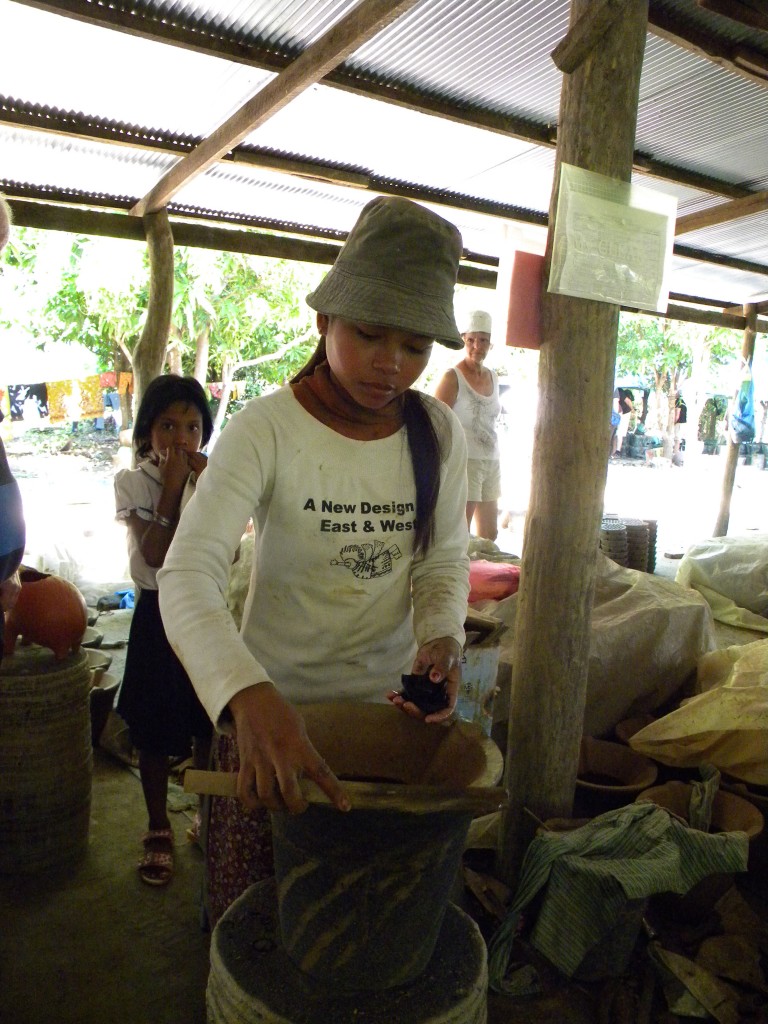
(149,354)
(596,131)
(732,452)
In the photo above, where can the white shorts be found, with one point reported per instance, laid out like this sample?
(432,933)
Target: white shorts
(483,480)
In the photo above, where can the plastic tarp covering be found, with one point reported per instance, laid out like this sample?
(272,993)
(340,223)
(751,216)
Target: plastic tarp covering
(648,634)
(726,724)
(732,574)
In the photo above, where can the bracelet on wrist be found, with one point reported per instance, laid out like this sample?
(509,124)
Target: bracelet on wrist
(163,521)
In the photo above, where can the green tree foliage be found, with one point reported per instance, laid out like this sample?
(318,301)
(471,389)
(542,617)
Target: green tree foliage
(231,309)
(665,353)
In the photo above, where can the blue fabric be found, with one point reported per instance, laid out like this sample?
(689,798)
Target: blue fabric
(743,414)
(127,598)
(12,531)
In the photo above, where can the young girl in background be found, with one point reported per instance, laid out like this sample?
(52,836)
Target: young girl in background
(357,487)
(156,698)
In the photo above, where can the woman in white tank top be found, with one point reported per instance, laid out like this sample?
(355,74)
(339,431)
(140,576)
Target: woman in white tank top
(472,391)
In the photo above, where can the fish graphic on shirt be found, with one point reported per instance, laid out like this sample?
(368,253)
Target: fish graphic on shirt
(369,560)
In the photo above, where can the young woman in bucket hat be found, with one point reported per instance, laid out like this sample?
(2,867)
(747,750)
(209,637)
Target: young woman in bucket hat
(357,486)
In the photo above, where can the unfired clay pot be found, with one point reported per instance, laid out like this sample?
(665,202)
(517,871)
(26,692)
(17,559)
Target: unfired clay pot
(50,612)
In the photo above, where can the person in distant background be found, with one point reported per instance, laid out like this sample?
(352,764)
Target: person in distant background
(681,418)
(12,529)
(472,391)
(623,405)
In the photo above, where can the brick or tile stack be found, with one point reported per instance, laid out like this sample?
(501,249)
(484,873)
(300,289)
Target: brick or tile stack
(637,544)
(652,532)
(613,540)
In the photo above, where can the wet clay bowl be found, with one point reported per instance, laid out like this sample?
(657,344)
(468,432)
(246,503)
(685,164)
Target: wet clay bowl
(610,775)
(101,701)
(91,638)
(98,663)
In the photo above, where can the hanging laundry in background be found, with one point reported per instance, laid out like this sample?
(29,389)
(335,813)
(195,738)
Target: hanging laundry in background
(28,401)
(108,380)
(58,392)
(91,397)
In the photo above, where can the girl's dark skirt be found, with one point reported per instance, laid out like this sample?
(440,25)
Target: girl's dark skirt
(157,700)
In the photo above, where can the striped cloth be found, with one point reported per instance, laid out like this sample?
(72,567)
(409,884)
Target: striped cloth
(592,872)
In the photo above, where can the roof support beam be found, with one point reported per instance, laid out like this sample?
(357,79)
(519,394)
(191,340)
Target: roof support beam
(584,35)
(742,60)
(724,212)
(745,14)
(361,24)
(53,217)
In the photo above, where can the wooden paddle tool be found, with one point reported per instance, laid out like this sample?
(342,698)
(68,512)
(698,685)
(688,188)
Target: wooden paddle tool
(370,796)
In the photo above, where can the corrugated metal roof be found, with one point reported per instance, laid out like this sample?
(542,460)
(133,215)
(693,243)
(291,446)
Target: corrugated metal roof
(482,60)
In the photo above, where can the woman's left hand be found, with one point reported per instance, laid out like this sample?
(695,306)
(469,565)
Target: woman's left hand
(444,657)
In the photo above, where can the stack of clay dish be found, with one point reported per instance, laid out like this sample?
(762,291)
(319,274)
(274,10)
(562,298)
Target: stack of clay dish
(92,637)
(98,662)
(613,540)
(637,544)
(653,529)
(101,700)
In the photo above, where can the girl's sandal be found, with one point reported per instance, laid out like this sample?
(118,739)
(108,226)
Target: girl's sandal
(156,866)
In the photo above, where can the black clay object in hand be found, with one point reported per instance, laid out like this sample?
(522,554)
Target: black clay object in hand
(427,696)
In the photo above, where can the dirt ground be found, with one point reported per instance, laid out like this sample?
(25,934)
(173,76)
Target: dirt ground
(67,485)
(92,944)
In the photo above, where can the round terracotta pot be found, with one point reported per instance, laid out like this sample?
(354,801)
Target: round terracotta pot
(627,728)
(609,775)
(362,895)
(50,611)
(730,813)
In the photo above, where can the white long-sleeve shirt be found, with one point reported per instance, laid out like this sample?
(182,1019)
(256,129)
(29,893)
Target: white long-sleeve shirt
(337,604)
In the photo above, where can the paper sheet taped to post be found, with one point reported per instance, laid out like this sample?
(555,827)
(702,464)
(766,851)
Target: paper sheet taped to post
(612,241)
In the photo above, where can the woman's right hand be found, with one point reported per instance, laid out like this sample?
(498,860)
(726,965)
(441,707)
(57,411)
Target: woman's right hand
(276,752)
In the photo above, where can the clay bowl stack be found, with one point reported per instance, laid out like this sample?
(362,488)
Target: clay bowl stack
(104,688)
(613,540)
(637,543)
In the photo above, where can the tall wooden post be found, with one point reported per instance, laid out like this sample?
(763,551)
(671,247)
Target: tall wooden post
(149,353)
(598,112)
(732,454)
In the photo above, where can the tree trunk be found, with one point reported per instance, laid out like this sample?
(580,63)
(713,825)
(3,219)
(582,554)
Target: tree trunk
(228,367)
(732,456)
(202,350)
(173,354)
(149,353)
(598,112)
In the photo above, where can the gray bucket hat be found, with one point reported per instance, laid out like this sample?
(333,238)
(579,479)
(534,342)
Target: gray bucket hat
(397,268)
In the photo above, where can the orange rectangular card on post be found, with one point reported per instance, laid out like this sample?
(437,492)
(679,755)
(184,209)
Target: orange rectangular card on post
(524,315)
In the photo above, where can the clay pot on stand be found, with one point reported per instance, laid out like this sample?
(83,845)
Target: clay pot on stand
(50,611)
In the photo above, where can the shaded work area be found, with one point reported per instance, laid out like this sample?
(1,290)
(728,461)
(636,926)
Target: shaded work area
(91,943)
